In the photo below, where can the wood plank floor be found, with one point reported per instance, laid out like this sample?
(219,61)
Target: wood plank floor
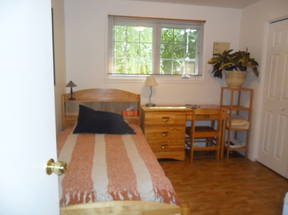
(233,187)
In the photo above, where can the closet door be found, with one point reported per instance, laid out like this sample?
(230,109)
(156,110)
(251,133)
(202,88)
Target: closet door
(274,143)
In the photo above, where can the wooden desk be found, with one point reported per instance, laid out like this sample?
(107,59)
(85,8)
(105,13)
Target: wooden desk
(165,128)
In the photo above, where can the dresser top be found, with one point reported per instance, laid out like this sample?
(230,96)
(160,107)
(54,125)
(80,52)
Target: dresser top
(166,108)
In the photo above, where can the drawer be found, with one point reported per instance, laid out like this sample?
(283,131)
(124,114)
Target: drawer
(165,118)
(154,133)
(162,147)
(172,143)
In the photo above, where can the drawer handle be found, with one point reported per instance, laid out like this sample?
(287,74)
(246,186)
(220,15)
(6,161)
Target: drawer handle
(165,119)
(164,146)
(164,133)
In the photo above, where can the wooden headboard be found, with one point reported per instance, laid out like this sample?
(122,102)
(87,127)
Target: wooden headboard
(113,100)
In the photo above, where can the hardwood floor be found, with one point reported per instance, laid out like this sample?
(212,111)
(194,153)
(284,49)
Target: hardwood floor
(227,187)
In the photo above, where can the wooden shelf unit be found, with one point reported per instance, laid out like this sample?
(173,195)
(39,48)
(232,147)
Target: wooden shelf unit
(238,102)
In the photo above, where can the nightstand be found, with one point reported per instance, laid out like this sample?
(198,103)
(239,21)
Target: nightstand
(164,129)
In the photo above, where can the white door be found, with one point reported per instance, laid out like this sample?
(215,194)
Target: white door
(274,144)
(27,124)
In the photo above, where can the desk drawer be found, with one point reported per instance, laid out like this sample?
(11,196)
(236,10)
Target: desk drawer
(164,132)
(205,117)
(165,118)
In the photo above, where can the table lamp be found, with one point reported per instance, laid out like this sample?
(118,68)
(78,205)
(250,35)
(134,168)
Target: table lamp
(71,84)
(150,82)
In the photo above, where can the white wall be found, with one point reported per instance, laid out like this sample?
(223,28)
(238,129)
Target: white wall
(86,27)
(59,50)
(254,29)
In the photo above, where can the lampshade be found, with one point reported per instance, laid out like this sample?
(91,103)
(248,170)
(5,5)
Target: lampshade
(71,84)
(150,81)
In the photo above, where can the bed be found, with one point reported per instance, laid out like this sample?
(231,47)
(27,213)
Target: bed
(108,173)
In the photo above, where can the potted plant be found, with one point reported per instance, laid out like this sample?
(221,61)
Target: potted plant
(235,64)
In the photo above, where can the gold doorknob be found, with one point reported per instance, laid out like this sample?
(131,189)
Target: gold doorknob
(58,167)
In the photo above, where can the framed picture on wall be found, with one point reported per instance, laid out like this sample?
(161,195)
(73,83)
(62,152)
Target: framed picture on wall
(220,47)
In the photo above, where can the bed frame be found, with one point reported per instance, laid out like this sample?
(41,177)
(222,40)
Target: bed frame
(101,98)
(113,96)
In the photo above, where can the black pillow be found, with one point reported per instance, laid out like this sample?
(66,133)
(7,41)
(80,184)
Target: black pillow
(100,122)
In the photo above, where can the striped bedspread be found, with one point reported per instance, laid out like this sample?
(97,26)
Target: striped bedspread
(110,167)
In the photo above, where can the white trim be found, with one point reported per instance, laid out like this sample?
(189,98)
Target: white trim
(280,19)
(260,97)
(162,79)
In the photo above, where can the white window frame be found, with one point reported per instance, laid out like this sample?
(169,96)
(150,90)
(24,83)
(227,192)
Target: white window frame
(156,24)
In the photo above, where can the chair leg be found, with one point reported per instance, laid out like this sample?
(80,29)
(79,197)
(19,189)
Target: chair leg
(222,148)
(191,154)
(227,153)
(218,148)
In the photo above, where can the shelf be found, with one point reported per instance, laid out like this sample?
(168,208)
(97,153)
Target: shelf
(235,145)
(237,123)
(237,129)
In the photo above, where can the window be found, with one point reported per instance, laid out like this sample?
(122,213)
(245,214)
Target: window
(143,46)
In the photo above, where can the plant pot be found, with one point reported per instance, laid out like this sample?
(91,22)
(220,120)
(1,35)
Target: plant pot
(235,79)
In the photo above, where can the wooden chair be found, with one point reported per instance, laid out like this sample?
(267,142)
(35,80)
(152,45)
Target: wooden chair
(211,132)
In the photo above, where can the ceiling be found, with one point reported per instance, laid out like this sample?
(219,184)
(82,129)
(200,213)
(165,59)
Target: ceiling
(216,3)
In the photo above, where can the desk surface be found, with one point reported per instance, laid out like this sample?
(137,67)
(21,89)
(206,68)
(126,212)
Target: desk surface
(186,107)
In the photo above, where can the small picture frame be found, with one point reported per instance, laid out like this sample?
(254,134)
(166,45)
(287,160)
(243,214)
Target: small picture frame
(220,47)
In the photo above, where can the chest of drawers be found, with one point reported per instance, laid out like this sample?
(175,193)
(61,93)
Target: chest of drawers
(164,129)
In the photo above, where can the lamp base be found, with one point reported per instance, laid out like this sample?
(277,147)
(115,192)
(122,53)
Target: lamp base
(150,105)
(72,98)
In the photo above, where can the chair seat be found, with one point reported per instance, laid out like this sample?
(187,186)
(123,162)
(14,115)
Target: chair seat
(206,148)
(204,128)
(205,132)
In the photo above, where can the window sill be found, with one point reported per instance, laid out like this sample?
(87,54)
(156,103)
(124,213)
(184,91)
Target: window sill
(161,78)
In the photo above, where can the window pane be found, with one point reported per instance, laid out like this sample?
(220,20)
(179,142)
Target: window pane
(145,50)
(120,65)
(167,34)
(166,50)
(132,34)
(119,51)
(192,50)
(189,68)
(180,35)
(178,51)
(146,35)
(132,50)
(165,66)
(171,67)
(119,33)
